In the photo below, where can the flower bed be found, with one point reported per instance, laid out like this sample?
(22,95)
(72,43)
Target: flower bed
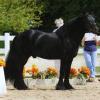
(79,75)
(35,73)
(35,78)
(83,71)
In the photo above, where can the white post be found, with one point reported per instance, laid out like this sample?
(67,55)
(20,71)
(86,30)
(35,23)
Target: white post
(7,43)
(3,88)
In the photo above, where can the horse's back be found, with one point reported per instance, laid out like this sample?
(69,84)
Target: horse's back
(47,45)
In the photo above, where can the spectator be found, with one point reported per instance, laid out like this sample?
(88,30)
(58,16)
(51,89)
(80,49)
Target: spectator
(90,53)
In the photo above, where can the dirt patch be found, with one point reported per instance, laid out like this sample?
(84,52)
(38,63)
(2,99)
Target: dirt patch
(90,91)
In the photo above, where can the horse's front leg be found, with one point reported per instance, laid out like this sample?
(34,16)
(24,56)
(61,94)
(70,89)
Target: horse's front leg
(67,73)
(63,68)
(60,85)
(63,82)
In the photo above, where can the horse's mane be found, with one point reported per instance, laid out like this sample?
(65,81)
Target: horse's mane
(72,28)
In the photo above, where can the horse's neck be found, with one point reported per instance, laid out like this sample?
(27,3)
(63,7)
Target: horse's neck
(60,32)
(66,32)
(78,39)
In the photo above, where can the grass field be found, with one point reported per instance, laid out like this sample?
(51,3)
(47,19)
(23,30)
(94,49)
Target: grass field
(98,71)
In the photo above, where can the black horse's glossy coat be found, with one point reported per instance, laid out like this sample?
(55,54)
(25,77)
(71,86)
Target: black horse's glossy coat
(61,45)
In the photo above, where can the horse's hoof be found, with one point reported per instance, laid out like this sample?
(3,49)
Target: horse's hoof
(21,87)
(60,87)
(69,87)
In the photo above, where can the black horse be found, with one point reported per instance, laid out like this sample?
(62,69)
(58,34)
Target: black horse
(63,45)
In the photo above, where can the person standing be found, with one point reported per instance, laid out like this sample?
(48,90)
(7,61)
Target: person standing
(90,53)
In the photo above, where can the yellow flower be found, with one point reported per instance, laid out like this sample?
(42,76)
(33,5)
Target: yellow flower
(24,72)
(51,72)
(2,62)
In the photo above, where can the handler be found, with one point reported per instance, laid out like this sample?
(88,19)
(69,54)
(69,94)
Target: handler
(90,53)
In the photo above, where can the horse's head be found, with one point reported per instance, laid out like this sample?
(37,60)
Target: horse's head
(90,23)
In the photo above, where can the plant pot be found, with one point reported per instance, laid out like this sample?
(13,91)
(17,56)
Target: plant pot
(41,83)
(30,82)
(3,89)
(52,81)
(78,81)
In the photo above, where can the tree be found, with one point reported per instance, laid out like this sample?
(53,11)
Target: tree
(19,15)
(67,9)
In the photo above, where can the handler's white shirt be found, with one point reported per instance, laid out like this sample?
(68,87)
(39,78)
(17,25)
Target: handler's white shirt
(89,36)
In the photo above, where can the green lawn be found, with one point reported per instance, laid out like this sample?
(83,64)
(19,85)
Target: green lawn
(98,71)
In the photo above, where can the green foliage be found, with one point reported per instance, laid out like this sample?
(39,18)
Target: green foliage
(19,15)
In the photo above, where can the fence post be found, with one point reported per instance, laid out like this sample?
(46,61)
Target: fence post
(7,43)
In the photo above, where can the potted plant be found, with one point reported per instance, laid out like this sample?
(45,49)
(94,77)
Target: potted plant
(46,77)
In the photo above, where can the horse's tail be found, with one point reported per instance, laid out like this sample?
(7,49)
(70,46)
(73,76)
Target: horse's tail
(10,60)
(14,65)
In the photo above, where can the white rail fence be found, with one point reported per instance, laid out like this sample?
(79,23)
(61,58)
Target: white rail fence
(6,38)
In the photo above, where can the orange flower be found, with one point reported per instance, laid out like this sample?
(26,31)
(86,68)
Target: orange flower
(52,70)
(35,69)
(2,62)
(84,70)
(73,72)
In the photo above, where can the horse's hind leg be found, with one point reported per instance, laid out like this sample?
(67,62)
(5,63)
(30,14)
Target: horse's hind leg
(19,81)
(14,69)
